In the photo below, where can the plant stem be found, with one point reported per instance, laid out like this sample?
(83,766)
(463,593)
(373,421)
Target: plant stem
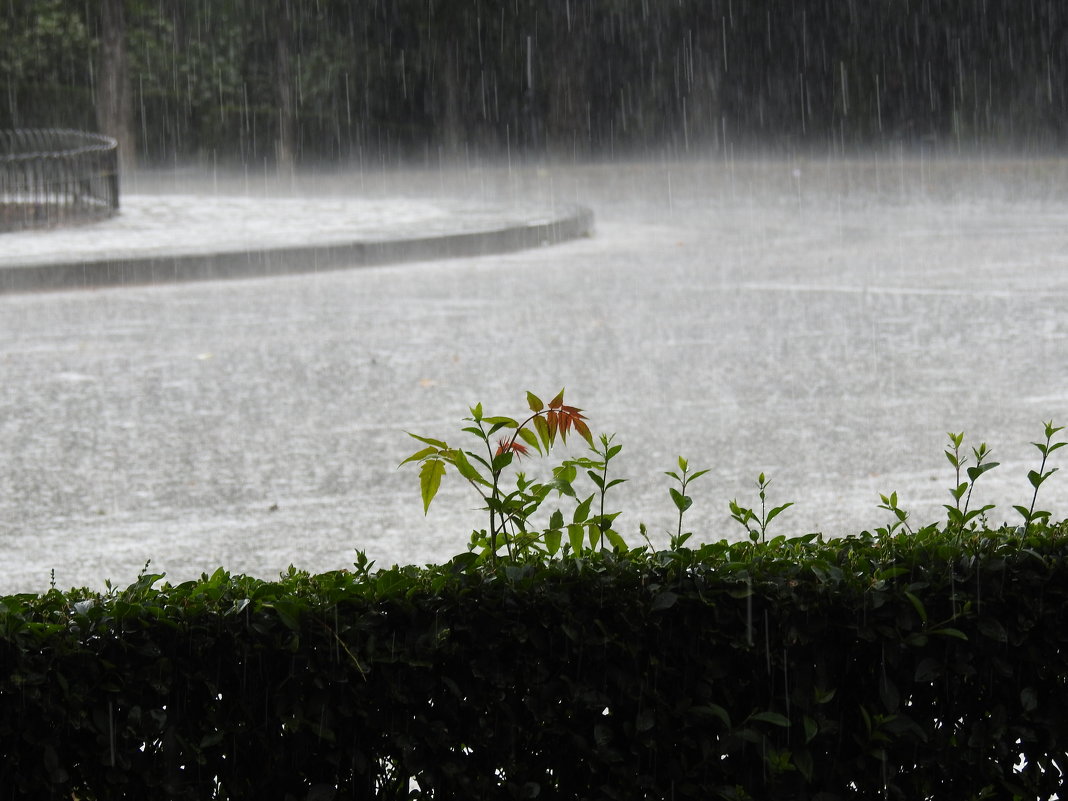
(604,480)
(494,494)
(1034,497)
(681,511)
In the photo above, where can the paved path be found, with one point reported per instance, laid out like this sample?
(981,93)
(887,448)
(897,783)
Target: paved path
(826,322)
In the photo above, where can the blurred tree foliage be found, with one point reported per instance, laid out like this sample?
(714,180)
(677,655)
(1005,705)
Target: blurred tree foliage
(382,80)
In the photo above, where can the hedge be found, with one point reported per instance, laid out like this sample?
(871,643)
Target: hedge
(925,666)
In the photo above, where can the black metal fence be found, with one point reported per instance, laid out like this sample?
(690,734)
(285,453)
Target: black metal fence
(54,177)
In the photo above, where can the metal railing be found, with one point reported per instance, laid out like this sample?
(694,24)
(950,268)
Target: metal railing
(52,177)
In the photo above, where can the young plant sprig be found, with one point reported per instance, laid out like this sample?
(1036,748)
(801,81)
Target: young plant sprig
(1037,477)
(757,526)
(889,503)
(598,527)
(681,500)
(502,440)
(509,512)
(960,517)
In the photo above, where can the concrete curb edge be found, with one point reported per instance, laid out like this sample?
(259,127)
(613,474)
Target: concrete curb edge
(572,222)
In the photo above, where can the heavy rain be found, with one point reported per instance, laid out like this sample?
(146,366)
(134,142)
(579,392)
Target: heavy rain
(825,235)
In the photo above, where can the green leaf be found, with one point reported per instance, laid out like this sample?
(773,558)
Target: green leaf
(803,760)
(461,562)
(534,402)
(992,628)
(682,502)
(928,671)
(553,537)
(593,534)
(566,472)
(465,468)
(418,456)
(575,535)
(582,511)
(950,632)
(664,600)
(288,610)
(615,540)
(1028,699)
(501,461)
(918,605)
(811,728)
(698,474)
(530,438)
(777,511)
(740,513)
(825,696)
(979,469)
(563,486)
(437,443)
(429,480)
(712,710)
(391,582)
(774,718)
(542,429)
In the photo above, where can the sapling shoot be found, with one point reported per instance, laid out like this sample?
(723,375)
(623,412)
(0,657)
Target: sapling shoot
(509,512)
(1037,477)
(889,503)
(757,526)
(959,517)
(681,500)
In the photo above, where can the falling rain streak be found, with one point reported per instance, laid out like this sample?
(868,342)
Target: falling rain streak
(392,81)
(817,250)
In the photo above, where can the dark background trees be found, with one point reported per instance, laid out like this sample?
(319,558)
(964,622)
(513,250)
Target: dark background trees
(282,81)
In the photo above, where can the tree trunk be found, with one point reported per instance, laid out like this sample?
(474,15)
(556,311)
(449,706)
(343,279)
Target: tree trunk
(113,104)
(285,144)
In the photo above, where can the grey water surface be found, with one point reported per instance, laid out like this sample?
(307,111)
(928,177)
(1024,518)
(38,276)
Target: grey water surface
(825,322)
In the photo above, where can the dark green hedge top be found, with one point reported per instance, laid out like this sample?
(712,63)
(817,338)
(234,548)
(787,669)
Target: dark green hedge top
(924,666)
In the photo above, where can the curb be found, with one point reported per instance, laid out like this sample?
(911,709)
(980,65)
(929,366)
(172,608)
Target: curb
(573,222)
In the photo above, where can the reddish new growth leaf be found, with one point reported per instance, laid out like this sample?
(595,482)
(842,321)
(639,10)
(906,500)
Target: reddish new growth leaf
(506,444)
(563,419)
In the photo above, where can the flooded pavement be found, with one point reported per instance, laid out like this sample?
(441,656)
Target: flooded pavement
(823,322)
